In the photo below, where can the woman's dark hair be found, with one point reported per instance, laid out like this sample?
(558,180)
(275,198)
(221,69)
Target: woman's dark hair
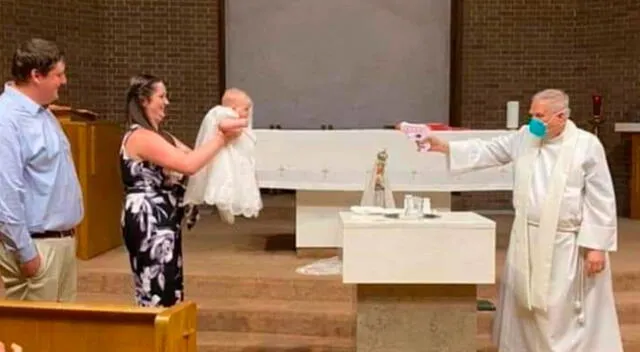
(141,88)
(34,54)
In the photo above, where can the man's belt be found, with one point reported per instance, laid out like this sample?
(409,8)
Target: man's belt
(53,234)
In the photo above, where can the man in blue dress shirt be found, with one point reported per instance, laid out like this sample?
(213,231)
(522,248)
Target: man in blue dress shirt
(40,197)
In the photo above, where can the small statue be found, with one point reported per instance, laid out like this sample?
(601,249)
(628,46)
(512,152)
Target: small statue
(377,192)
(381,163)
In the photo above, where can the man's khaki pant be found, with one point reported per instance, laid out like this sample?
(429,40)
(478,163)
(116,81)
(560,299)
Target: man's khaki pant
(54,281)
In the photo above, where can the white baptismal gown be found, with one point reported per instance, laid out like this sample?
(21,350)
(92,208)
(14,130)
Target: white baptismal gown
(229,180)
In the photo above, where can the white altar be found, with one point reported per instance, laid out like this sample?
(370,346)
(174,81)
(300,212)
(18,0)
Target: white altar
(378,250)
(416,279)
(329,168)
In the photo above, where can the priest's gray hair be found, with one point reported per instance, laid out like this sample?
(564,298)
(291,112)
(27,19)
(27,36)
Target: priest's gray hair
(556,101)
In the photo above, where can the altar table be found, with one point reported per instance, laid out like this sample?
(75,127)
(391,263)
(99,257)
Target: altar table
(328,169)
(416,279)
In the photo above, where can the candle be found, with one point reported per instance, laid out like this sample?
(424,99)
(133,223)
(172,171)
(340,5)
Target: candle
(513,110)
(597,104)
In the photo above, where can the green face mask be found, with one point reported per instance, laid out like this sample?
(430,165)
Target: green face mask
(537,127)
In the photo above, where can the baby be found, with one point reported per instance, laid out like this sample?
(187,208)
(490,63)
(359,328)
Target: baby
(229,181)
(239,101)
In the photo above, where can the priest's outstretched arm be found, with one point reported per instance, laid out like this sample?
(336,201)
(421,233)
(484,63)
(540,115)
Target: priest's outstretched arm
(476,154)
(598,229)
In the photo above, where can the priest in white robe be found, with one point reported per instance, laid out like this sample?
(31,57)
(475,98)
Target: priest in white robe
(556,292)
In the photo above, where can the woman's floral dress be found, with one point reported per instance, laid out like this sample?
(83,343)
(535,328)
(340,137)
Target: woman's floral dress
(151,226)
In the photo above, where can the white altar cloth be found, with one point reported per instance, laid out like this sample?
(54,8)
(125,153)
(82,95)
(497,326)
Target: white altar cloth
(329,169)
(341,160)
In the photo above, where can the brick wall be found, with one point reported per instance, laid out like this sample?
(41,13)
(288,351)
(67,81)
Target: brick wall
(612,37)
(107,41)
(509,51)
(72,24)
(512,49)
(175,40)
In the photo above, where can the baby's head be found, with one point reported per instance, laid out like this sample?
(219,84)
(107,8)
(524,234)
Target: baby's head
(239,101)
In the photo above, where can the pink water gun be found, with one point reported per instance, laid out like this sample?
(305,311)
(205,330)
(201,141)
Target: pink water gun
(416,132)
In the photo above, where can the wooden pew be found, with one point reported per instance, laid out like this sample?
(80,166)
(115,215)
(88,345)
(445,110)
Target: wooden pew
(76,327)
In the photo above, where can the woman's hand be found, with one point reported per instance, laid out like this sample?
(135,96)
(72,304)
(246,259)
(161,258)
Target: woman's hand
(231,128)
(232,125)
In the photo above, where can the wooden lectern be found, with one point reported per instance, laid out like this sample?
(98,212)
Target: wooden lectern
(95,146)
(633,130)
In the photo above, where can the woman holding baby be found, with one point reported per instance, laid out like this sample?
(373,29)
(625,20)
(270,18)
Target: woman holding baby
(154,168)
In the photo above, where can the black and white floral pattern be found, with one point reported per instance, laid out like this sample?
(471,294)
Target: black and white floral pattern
(151,225)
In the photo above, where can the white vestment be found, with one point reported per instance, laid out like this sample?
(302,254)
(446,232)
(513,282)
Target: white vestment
(564,202)
(229,180)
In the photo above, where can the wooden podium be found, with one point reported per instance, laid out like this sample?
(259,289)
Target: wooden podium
(95,146)
(633,131)
(75,327)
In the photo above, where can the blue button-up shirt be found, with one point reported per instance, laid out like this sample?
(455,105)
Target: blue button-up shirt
(39,188)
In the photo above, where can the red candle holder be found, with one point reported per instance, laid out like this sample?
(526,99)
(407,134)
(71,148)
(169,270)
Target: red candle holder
(596,119)
(596,99)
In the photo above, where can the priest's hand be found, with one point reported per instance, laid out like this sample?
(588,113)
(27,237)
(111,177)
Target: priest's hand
(434,144)
(594,261)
